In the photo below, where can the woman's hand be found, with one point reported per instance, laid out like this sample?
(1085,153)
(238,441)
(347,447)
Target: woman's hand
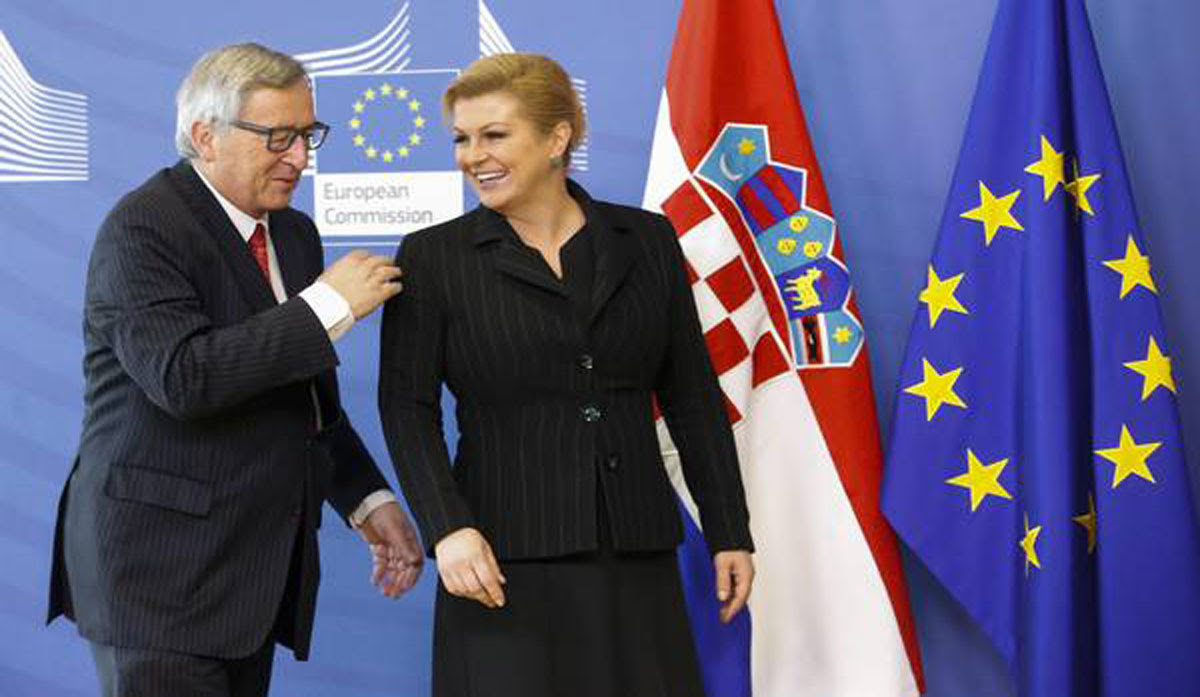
(735,575)
(468,568)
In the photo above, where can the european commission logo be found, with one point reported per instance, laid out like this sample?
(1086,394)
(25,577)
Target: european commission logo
(385,122)
(43,131)
(387,168)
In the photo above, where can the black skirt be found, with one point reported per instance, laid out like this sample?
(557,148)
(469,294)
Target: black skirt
(599,624)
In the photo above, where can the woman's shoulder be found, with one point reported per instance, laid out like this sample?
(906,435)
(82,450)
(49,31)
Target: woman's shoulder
(635,219)
(443,236)
(445,232)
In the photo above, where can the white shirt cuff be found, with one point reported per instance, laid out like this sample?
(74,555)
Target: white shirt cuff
(374,500)
(330,307)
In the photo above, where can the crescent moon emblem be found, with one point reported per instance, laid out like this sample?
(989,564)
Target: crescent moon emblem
(725,169)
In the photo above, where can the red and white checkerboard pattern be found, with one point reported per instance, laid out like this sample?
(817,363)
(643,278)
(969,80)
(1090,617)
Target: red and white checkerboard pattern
(745,349)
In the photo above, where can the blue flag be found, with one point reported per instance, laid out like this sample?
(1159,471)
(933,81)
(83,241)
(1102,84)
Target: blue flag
(1036,465)
(388,122)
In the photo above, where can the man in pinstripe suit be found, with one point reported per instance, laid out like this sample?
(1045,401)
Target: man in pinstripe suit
(186,543)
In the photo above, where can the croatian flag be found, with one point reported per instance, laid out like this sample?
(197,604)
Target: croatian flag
(733,168)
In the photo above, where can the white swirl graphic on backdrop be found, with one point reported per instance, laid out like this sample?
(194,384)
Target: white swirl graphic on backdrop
(43,131)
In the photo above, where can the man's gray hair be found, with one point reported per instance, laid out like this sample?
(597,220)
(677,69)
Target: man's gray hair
(216,89)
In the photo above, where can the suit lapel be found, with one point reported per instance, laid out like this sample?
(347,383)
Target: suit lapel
(614,258)
(615,253)
(289,255)
(523,266)
(216,223)
(510,257)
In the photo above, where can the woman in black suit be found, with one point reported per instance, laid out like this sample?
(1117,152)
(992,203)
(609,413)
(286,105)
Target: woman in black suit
(555,320)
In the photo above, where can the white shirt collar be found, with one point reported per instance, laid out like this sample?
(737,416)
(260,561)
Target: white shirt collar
(241,220)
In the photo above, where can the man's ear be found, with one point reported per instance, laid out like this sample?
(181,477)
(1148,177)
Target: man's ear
(203,140)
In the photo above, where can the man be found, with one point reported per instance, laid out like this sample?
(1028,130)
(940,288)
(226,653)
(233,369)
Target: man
(186,544)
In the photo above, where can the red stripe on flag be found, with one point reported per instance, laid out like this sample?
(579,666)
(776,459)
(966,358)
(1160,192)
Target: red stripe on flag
(692,276)
(703,78)
(725,346)
(755,207)
(686,208)
(731,284)
(770,176)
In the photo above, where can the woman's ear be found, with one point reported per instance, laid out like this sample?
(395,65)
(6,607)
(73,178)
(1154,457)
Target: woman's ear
(561,138)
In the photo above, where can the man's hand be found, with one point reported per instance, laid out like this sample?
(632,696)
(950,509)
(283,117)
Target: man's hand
(735,576)
(469,569)
(396,558)
(364,280)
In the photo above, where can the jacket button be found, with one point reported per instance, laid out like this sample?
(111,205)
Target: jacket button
(613,462)
(591,413)
(585,361)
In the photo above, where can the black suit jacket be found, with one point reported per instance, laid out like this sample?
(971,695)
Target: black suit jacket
(548,408)
(200,472)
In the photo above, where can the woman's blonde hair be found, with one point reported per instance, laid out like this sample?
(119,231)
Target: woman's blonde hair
(539,84)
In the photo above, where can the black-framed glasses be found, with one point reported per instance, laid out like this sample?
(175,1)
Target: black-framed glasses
(280,138)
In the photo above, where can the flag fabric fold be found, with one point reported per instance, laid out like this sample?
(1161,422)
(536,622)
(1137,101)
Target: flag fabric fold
(733,168)
(1035,463)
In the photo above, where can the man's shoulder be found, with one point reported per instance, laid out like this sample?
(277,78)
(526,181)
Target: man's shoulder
(158,194)
(152,218)
(170,199)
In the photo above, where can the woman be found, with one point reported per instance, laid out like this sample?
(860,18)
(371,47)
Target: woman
(555,320)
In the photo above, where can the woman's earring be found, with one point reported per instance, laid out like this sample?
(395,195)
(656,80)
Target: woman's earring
(556,161)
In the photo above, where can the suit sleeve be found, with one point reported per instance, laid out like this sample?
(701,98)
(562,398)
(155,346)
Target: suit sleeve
(411,365)
(142,303)
(694,409)
(355,476)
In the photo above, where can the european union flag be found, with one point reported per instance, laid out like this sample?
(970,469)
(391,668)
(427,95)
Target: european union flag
(385,122)
(1035,463)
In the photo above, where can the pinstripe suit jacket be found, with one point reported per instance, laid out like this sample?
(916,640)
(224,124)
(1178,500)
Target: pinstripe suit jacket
(548,408)
(200,473)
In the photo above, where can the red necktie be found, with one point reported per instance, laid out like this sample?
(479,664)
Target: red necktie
(258,247)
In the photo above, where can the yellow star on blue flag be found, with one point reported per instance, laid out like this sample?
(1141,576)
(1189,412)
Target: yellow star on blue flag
(383,122)
(1077,554)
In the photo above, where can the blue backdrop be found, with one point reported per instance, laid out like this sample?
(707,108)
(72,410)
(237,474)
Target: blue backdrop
(886,85)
